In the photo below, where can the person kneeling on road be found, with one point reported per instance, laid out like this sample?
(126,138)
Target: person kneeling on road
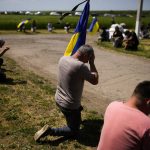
(72,72)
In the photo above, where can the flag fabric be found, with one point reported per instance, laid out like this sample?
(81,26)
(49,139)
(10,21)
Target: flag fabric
(23,22)
(72,11)
(94,26)
(79,37)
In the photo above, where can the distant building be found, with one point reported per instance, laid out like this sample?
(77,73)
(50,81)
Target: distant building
(77,13)
(28,13)
(109,15)
(54,13)
(37,13)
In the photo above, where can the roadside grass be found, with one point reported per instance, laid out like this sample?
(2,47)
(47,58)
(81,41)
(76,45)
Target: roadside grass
(41,31)
(10,21)
(27,103)
(143,48)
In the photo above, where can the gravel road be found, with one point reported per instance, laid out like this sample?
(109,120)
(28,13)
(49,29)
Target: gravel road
(118,73)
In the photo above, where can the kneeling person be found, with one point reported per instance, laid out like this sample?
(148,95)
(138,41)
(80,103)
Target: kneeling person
(72,72)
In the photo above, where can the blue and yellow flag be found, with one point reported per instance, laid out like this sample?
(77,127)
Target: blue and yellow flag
(23,22)
(79,37)
(94,27)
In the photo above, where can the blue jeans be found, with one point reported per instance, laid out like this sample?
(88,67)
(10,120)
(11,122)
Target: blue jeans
(73,120)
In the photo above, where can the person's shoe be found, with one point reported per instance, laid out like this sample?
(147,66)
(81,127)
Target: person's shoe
(42,132)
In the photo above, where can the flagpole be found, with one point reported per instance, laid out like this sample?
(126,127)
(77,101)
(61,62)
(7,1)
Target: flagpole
(138,17)
(79,37)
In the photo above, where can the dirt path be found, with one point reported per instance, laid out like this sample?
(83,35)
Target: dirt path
(119,73)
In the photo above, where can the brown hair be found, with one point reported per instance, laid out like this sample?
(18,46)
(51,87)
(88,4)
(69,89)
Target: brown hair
(142,90)
(86,49)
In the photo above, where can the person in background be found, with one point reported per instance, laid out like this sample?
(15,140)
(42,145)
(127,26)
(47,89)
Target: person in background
(49,27)
(33,26)
(72,72)
(131,41)
(117,37)
(104,35)
(127,124)
(22,28)
(67,27)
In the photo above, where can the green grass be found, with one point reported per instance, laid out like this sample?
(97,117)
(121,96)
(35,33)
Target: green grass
(28,32)
(27,103)
(143,48)
(10,22)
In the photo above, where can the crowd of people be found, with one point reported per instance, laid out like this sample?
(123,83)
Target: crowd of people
(120,38)
(22,26)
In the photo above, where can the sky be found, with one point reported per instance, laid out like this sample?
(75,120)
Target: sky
(48,5)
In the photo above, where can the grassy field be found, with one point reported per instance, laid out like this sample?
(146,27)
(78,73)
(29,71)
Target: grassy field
(10,22)
(143,48)
(27,103)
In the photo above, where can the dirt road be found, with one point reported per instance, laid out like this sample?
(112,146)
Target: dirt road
(119,73)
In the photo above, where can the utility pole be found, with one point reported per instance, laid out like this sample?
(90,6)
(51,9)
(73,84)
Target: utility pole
(138,17)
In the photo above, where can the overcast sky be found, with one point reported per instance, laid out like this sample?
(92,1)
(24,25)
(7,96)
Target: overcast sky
(17,5)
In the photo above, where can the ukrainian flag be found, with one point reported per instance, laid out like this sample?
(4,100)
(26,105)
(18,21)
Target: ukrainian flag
(23,22)
(79,36)
(94,26)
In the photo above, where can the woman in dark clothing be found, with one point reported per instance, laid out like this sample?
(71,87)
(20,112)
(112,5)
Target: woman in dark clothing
(117,37)
(131,41)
